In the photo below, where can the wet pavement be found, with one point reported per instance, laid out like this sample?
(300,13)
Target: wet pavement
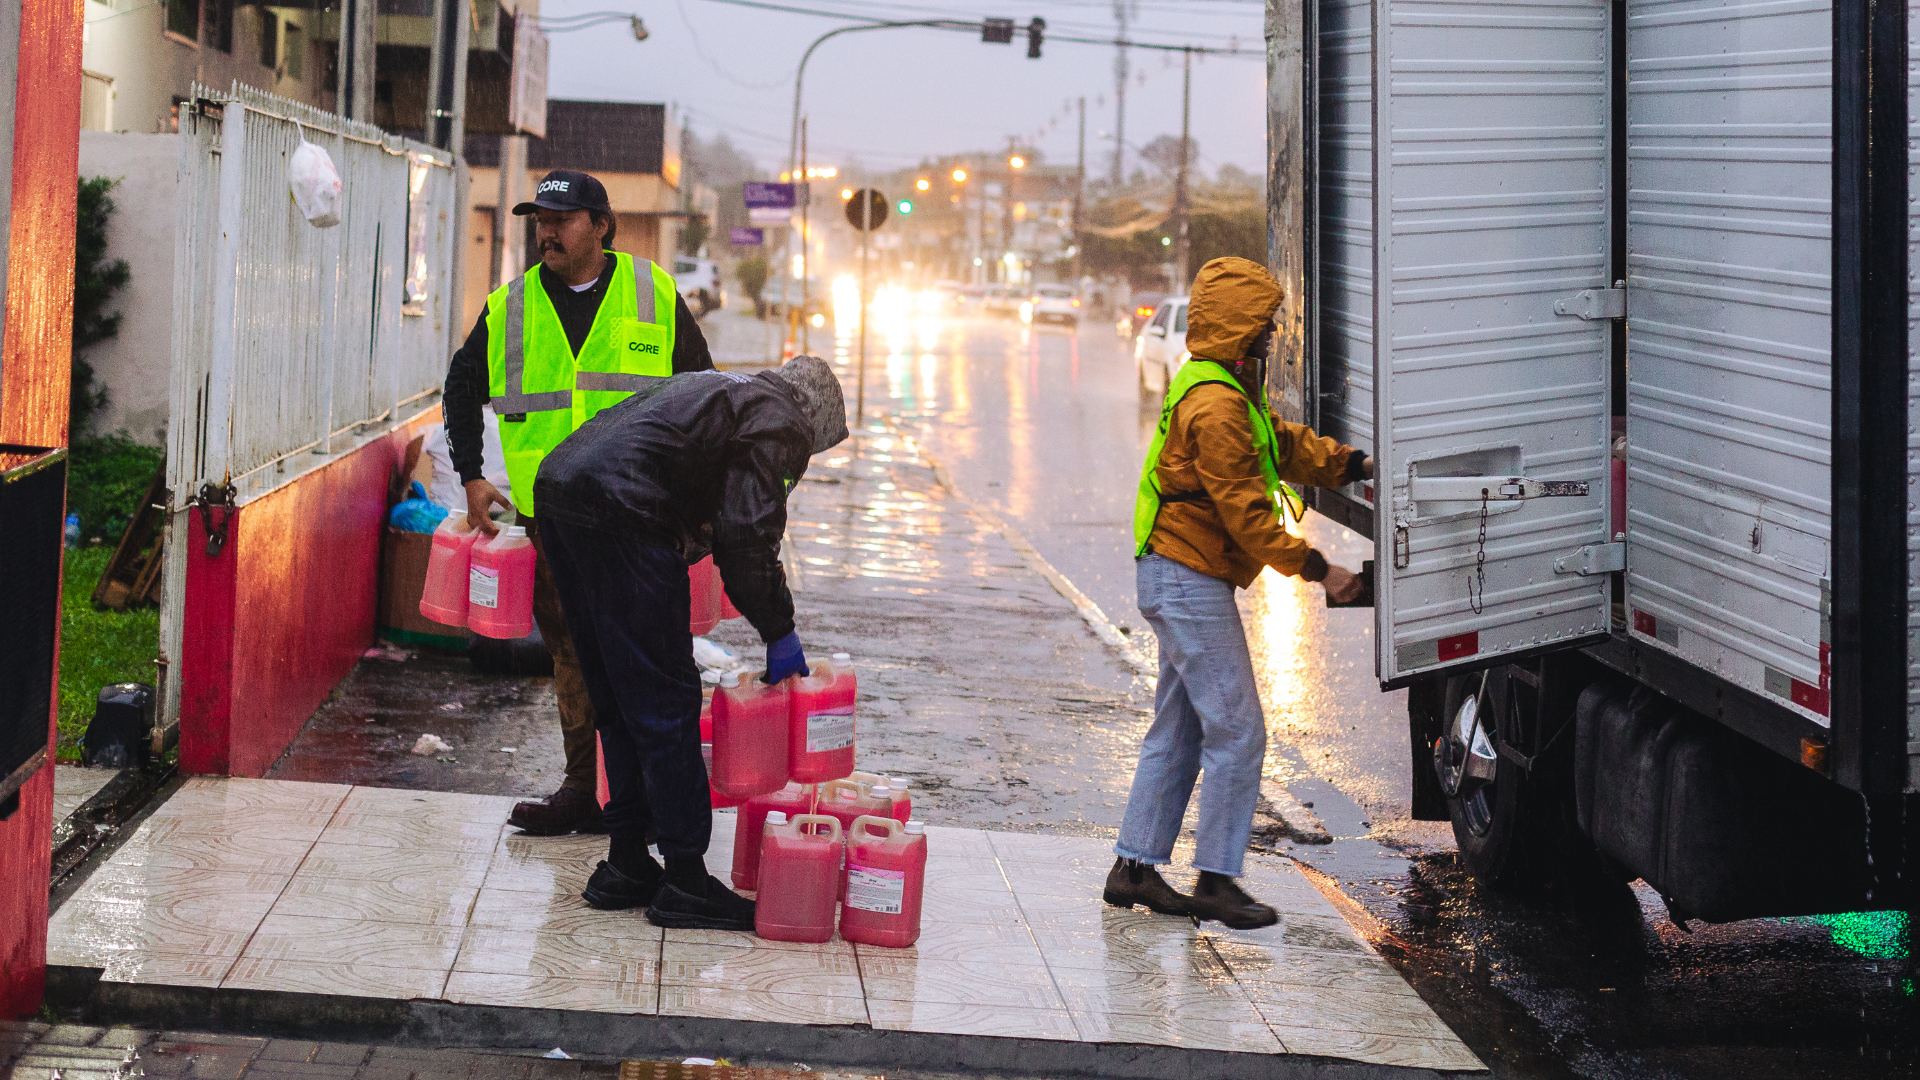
(1047,429)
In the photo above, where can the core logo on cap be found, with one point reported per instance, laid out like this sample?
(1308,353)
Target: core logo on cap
(554,185)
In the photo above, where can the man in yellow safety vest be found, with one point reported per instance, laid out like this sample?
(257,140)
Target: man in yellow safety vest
(579,331)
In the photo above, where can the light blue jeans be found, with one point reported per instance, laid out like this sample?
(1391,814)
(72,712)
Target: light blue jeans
(1206,716)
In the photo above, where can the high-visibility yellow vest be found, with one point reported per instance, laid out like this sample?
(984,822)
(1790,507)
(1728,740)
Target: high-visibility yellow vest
(541,390)
(1197,372)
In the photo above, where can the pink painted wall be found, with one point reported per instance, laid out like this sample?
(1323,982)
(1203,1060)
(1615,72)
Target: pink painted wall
(33,412)
(283,612)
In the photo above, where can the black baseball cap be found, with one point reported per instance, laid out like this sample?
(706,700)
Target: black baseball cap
(566,189)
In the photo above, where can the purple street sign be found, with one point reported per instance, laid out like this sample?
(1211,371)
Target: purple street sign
(767,196)
(743,237)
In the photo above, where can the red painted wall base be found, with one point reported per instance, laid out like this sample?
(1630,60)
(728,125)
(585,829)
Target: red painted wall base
(281,614)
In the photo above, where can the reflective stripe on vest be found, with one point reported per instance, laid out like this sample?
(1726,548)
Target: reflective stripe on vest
(542,391)
(1146,505)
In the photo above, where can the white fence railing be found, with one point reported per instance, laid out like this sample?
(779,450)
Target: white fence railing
(293,344)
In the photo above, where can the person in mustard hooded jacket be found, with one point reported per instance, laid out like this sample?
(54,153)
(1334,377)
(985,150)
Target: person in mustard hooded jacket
(1208,519)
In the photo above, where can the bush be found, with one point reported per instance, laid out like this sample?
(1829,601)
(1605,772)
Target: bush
(95,279)
(106,479)
(753,273)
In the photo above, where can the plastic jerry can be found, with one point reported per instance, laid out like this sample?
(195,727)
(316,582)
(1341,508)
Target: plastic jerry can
(703,591)
(792,800)
(749,737)
(799,871)
(443,597)
(715,797)
(500,585)
(846,802)
(902,792)
(820,738)
(886,875)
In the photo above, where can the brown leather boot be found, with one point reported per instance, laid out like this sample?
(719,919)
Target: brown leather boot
(565,811)
(1221,899)
(1130,883)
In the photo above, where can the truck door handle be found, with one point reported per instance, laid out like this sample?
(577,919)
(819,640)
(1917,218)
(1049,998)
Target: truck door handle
(1427,489)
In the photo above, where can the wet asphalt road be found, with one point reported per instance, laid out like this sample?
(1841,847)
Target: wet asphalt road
(1047,427)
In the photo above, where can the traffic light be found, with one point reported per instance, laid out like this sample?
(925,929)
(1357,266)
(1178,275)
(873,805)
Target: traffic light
(1035,30)
(905,206)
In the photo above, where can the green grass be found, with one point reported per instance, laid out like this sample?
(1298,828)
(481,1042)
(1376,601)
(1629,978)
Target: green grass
(97,647)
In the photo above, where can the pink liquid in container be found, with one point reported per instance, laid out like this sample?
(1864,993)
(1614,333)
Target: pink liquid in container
(820,738)
(703,590)
(749,737)
(885,878)
(799,869)
(715,798)
(444,596)
(792,800)
(500,585)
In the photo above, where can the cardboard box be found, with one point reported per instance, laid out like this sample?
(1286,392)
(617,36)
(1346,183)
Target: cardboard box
(403,573)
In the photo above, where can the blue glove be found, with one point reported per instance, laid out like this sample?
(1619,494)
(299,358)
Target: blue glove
(785,658)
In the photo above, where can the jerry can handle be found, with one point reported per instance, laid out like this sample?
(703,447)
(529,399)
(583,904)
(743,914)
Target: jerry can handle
(831,789)
(870,823)
(804,823)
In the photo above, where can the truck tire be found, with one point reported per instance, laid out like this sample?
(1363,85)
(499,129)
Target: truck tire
(1502,820)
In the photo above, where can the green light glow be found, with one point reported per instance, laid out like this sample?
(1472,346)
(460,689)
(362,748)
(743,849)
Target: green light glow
(1876,935)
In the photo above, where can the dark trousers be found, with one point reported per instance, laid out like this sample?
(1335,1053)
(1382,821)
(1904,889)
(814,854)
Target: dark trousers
(627,606)
(569,688)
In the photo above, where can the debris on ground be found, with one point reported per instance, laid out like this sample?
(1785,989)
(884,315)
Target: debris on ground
(429,744)
(387,653)
(558,1054)
(452,706)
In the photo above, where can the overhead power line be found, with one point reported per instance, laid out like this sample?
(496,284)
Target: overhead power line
(972,26)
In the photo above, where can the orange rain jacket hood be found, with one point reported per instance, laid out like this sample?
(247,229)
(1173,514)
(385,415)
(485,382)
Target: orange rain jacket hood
(1217,516)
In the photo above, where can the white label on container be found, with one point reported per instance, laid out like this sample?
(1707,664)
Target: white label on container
(882,892)
(829,731)
(483,587)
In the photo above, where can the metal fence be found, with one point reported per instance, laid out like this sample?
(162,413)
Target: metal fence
(292,344)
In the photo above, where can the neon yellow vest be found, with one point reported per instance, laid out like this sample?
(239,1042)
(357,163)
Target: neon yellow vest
(542,392)
(1197,372)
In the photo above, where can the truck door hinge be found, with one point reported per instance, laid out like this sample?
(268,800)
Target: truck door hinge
(1428,489)
(1595,303)
(1593,559)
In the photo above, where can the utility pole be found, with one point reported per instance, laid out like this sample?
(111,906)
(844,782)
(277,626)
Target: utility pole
(1079,191)
(355,77)
(1182,246)
(1006,211)
(1120,14)
(447,78)
(805,191)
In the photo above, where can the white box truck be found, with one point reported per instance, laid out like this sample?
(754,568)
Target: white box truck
(1617,293)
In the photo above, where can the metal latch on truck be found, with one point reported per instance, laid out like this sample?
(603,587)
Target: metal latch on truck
(1593,304)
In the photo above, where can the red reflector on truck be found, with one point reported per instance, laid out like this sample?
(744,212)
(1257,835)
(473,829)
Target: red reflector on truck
(1645,623)
(1459,645)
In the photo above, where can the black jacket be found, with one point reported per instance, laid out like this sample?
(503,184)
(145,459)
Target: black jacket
(466,388)
(704,460)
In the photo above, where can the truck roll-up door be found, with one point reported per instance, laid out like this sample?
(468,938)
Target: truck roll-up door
(1491,326)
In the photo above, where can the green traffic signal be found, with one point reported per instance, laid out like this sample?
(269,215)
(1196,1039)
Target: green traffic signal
(905,206)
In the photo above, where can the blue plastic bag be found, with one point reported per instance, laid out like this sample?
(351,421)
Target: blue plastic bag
(416,513)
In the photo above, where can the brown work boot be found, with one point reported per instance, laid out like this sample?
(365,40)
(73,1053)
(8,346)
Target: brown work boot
(568,810)
(1219,898)
(1130,883)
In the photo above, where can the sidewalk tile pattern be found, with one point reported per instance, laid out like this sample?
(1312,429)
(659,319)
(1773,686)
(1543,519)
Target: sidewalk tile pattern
(329,889)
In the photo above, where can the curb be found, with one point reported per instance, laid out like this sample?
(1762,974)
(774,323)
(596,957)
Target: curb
(80,993)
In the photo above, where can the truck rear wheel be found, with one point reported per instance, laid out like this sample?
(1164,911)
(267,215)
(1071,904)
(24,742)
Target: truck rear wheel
(1503,820)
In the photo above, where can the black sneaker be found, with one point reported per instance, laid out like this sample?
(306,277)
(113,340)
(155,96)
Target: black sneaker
(611,889)
(714,907)
(1221,899)
(1130,883)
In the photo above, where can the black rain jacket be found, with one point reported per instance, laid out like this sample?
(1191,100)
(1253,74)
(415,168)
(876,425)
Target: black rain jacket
(702,461)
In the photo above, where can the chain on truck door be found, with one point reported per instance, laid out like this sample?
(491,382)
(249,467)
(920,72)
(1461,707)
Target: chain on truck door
(1491,312)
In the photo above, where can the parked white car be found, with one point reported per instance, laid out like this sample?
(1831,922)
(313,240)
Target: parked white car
(1161,346)
(699,282)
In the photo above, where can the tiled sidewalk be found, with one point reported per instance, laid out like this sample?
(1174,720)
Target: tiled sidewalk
(385,893)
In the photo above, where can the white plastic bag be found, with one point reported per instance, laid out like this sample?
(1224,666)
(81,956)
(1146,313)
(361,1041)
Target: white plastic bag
(315,183)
